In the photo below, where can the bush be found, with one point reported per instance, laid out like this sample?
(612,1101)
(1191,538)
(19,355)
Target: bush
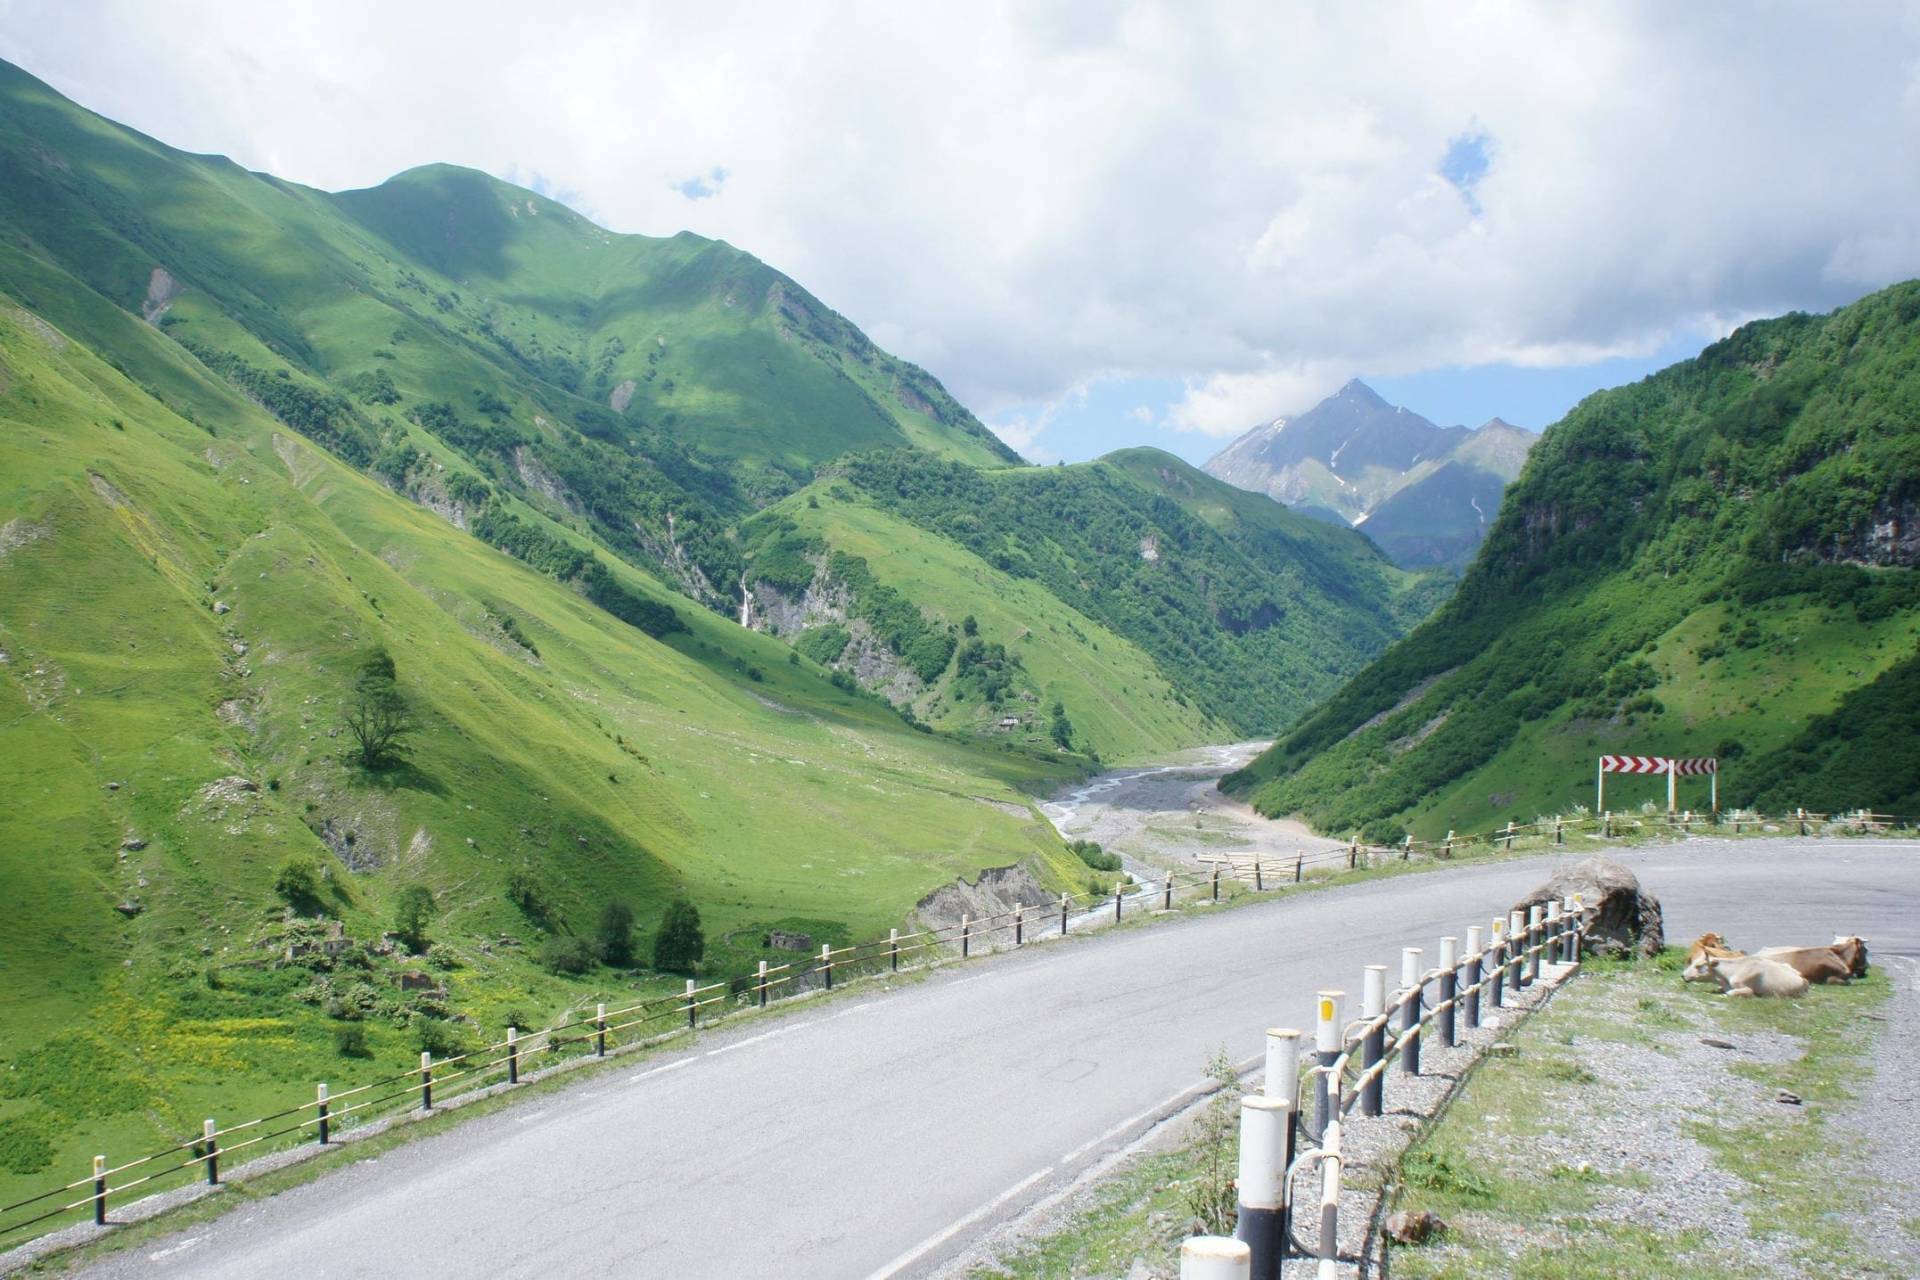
(525,891)
(350,1040)
(440,1038)
(568,955)
(680,944)
(1090,852)
(298,884)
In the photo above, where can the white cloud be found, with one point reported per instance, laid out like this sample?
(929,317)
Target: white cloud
(1245,197)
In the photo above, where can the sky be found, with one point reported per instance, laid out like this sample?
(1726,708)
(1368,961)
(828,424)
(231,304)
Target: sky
(1104,224)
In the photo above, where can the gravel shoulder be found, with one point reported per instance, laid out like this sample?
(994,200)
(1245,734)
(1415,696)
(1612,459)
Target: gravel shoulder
(1647,1127)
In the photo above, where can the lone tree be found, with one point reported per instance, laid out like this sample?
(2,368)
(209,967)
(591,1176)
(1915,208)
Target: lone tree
(377,715)
(615,935)
(298,884)
(1062,728)
(411,914)
(679,945)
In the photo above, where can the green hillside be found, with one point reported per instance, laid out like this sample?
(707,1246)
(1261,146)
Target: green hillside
(188,590)
(614,381)
(1718,560)
(1155,604)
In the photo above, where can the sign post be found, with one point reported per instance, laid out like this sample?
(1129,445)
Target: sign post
(1668,765)
(1630,764)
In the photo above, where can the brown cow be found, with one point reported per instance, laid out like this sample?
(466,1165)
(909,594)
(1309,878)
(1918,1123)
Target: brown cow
(1854,952)
(1815,964)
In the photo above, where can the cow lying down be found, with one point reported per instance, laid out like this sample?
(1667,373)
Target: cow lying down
(1843,959)
(1752,976)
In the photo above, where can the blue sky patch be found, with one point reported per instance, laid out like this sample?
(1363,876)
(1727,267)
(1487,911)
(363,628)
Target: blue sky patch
(1469,155)
(702,186)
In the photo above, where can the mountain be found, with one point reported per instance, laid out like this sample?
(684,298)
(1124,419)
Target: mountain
(1358,456)
(269,455)
(1153,602)
(1716,561)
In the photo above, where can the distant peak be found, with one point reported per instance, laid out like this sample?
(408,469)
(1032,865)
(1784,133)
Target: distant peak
(1501,424)
(1358,390)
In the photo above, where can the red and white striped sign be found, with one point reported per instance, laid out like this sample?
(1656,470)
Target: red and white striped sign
(1686,768)
(1635,764)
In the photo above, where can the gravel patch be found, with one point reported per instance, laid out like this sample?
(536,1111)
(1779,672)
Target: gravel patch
(1884,1126)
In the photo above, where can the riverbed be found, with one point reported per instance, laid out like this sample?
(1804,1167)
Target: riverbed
(1172,814)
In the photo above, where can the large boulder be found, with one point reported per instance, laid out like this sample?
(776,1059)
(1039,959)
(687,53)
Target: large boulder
(1627,917)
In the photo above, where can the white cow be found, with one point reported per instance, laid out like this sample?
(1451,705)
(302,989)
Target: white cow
(1754,976)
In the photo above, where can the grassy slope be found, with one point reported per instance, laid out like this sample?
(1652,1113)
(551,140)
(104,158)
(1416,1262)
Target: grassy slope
(1116,695)
(768,800)
(1660,580)
(1244,609)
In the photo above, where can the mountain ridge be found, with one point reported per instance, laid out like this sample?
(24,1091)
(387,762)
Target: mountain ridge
(1356,455)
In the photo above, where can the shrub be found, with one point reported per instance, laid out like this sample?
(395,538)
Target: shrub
(1090,852)
(567,955)
(680,944)
(438,1037)
(350,1040)
(25,1146)
(298,884)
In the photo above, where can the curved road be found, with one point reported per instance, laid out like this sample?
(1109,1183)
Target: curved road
(879,1134)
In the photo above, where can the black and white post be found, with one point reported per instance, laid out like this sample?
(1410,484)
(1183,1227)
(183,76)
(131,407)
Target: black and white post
(1264,1123)
(1326,1045)
(1410,1012)
(1373,1045)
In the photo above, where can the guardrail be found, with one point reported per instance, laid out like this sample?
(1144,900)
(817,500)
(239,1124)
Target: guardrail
(1507,958)
(649,1021)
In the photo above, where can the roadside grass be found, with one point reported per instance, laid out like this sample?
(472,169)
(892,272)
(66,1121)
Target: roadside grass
(1513,1211)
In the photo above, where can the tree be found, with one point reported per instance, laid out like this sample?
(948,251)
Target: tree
(378,715)
(411,914)
(615,935)
(1062,728)
(298,884)
(679,945)
(969,626)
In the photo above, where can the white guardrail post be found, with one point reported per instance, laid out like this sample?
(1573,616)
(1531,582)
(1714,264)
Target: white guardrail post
(1282,1083)
(1449,991)
(1326,1044)
(1264,1123)
(1214,1258)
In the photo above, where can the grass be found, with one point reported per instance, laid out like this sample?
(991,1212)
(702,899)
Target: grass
(1507,1219)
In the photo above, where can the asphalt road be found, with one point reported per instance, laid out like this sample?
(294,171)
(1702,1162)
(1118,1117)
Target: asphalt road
(878,1134)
